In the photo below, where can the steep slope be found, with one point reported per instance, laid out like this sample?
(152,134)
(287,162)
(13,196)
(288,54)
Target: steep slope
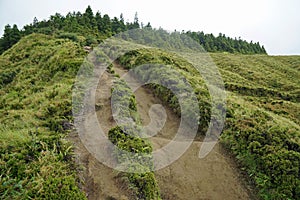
(262,126)
(262,123)
(189,177)
(36,77)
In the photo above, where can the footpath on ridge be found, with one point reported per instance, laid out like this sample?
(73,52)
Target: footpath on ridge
(213,177)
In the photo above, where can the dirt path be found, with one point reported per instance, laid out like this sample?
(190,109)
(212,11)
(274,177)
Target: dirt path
(100,181)
(214,177)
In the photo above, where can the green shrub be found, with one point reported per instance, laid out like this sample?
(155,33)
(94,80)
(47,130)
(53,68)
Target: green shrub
(70,36)
(127,138)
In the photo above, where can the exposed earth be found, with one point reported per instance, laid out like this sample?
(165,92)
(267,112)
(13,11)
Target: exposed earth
(214,177)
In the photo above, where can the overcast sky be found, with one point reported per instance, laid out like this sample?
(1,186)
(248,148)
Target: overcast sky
(274,23)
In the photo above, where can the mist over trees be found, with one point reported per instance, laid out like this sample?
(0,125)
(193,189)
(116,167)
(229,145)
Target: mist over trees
(91,28)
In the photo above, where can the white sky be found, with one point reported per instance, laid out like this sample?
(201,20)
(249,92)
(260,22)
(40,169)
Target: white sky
(274,23)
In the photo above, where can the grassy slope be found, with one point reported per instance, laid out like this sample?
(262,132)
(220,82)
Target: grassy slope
(270,82)
(263,109)
(262,126)
(36,80)
(36,77)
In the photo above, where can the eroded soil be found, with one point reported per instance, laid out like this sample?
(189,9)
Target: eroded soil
(213,177)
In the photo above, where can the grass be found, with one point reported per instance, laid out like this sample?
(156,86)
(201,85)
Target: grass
(36,78)
(35,84)
(262,124)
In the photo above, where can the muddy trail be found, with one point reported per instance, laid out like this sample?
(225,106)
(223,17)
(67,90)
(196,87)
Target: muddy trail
(213,177)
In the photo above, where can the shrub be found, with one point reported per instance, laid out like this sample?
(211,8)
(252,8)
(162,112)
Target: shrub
(127,138)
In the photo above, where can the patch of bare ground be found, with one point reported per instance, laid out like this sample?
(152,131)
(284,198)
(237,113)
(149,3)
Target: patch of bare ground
(213,177)
(100,181)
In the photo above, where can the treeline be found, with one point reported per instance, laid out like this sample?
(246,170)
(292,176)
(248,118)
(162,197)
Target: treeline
(226,44)
(93,28)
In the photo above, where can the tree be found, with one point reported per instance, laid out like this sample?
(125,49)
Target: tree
(148,26)
(136,21)
(35,21)
(10,37)
(89,13)
(16,35)
(99,21)
(106,22)
(89,18)
(56,20)
(122,18)
(117,26)
(122,23)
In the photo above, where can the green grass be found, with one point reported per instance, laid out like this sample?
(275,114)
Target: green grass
(36,78)
(35,85)
(262,125)
(263,130)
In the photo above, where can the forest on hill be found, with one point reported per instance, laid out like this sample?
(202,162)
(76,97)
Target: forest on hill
(96,27)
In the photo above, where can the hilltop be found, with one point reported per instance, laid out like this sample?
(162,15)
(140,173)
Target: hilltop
(96,27)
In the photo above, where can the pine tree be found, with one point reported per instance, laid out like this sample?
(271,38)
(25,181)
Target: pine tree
(10,37)
(106,22)
(99,22)
(135,23)
(116,25)
(35,22)
(89,19)
(122,23)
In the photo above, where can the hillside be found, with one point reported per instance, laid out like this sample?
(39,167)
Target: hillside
(262,125)
(262,122)
(43,156)
(36,78)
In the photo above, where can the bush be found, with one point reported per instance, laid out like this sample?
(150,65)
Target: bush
(127,138)
(70,36)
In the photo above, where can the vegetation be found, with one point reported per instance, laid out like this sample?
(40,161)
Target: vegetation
(38,65)
(262,117)
(226,44)
(159,74)
(35,84)
(95,28)
(127,138)
(263,127)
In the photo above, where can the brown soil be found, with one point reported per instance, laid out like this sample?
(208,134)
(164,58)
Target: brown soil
(100,181)
(213,177)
